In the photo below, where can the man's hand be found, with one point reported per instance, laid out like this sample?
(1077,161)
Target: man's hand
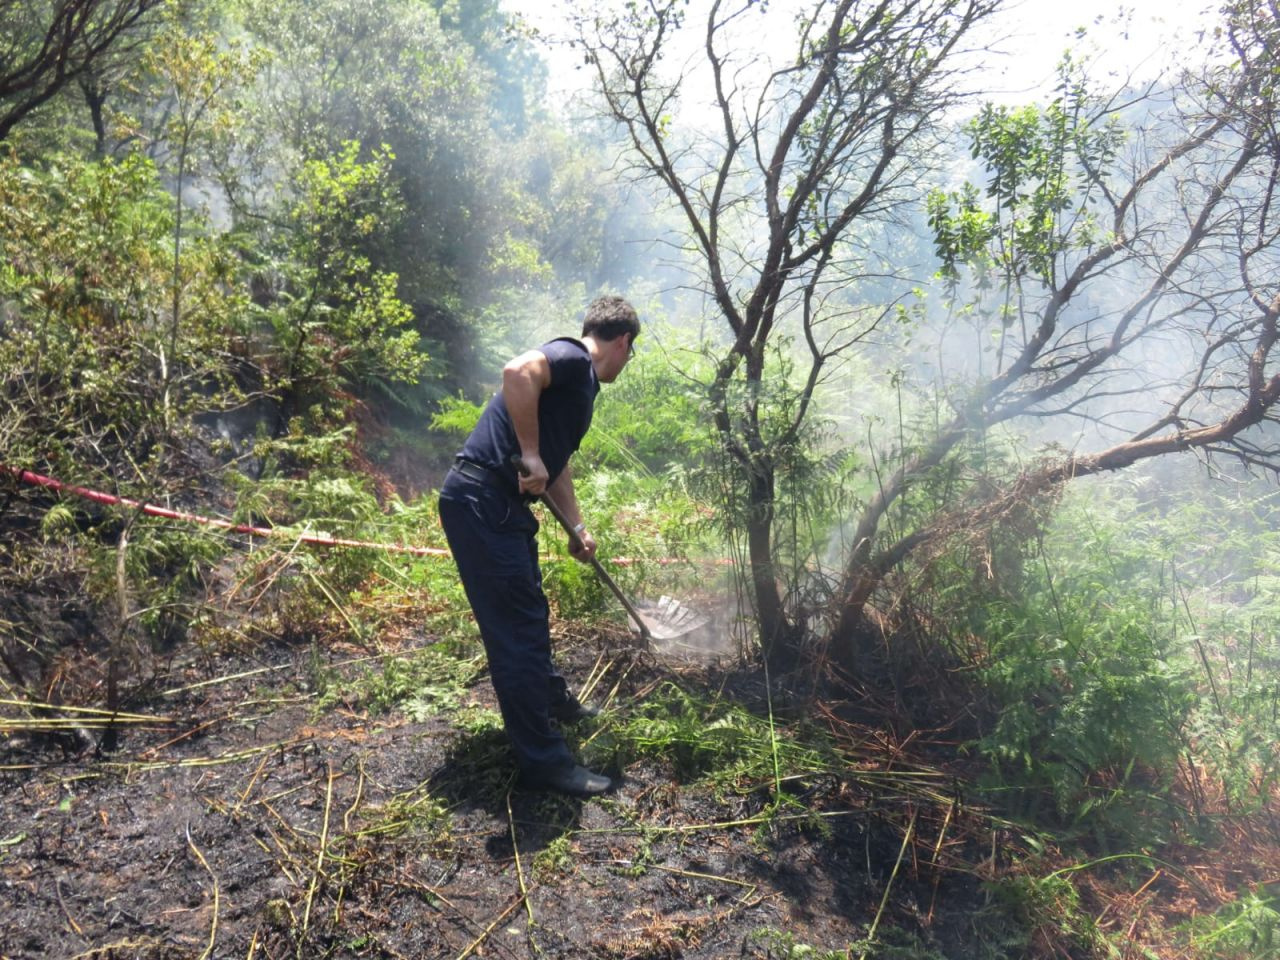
(533,476)
(583,546)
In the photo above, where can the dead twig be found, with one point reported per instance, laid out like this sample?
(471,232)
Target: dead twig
(57,887)
(88,712)
(355,803)
(656,830)
(233,757)
(597,674)
(142,946)
(152,752)
(405,882)
(342,611)
(690,874)
(230,678)
(346,831)
(286,859)
(258,671)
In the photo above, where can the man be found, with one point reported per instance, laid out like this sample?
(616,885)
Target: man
(540,416)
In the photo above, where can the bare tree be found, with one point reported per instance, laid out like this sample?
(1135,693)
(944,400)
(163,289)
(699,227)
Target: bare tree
(796,157)
(46,46)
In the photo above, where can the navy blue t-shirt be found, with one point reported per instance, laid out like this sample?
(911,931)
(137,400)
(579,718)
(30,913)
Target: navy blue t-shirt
(564,414)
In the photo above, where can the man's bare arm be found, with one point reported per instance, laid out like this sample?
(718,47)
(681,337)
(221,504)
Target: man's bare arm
(523,380)
(582,545)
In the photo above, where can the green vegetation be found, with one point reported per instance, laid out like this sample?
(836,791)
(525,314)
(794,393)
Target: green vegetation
(263,262)
(1245,928)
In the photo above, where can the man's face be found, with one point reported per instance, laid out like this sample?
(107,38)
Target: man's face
(614,356)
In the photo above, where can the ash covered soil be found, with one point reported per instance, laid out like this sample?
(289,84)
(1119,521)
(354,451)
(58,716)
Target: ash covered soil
(251,824)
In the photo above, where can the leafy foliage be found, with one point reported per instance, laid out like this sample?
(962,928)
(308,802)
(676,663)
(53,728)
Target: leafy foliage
(1038,159)
(1110,664)
(339,320)
(1248,928)
(717,740)
(1029,915)
(427,682)
(96,376)
(1093,701)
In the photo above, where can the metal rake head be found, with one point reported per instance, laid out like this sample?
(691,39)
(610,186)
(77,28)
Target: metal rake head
(669,619)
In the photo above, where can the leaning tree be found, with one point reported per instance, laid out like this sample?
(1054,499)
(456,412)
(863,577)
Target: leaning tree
(1125,281)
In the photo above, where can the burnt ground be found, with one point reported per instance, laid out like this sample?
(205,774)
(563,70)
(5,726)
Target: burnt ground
(243,821)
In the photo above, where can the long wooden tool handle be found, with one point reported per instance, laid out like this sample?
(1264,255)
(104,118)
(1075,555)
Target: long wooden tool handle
(601,572)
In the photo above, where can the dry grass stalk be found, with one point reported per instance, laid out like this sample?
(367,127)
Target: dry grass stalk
(236,756)
(475,944)
(217,900)
(253,780)
(888,887)
(515,849)
(319,867)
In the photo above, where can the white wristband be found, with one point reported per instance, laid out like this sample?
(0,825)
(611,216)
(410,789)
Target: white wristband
(578,528)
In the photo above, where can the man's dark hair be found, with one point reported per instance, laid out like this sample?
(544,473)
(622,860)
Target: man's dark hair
(609,318)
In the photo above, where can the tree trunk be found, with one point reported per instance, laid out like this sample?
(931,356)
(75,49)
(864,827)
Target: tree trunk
(777,634)
(96,98)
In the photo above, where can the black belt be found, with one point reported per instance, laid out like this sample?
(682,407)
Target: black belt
(474,471)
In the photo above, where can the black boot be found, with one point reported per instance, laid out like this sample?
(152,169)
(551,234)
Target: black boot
(575,780)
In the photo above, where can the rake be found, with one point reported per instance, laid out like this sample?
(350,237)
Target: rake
(666,620)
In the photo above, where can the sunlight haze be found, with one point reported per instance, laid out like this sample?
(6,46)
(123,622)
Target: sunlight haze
(1137,40)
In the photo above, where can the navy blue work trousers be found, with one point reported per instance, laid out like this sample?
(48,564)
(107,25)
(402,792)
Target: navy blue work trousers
(493,537)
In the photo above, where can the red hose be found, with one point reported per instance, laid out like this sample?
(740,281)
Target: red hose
(97,496)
